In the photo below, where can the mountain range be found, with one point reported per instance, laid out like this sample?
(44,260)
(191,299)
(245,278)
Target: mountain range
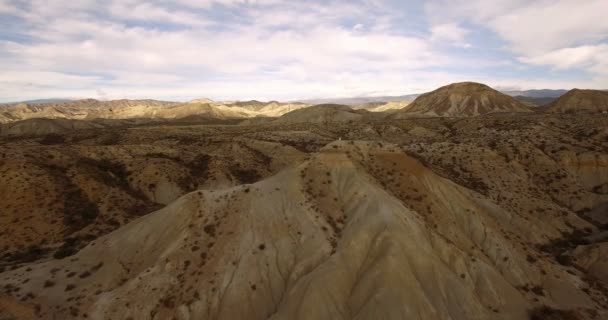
(361,101)
(456,100)
(535,96)
(463,204)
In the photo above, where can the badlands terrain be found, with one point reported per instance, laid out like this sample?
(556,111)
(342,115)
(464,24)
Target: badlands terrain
(463,204)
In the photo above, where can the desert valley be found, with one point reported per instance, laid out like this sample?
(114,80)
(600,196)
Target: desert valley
(463,203)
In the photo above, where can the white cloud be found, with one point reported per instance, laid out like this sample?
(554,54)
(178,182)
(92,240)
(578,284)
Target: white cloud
(150,12)
(209,3)
(276,49)
(544,26)
(6,7)
(566,58)
(531,26)
(311,54)
(562,34)
(46,78)
(75,45)
(450,33)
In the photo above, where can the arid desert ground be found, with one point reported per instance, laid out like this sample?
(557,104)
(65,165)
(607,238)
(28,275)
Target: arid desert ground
(463,204)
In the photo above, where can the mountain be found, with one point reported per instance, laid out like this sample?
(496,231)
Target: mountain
(38,101)
(101,178)
(427,218)
(536,98)
(90,109)
(464,99)
(335,236)
(358,101)
(202,100)
(253,105)
(42,126)
(537,93)
(86,109)
(383,106)
(577,100)
(265,109)
(535,102)
(322,113)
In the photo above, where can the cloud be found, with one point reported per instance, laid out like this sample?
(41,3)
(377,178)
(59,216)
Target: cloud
(534,29)
(591,58)
(566,58)
(210,3)
(72,45)
(108,46)
(6,7)
(542,26)
(451,33)
(286,49)
(151,12)
(530,25)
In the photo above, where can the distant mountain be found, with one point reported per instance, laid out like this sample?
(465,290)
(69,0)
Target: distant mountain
(85,109)
(39,101)
(256,108)
(535,102)
(323,113)
(464,99)
(360,101)
(538,93)
(577,100)
(89,109)
(384,106)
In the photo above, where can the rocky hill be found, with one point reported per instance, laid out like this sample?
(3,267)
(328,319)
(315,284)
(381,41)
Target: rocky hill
(465,99)
(266,109)
(81,109)
(71,188)
(91,109)
(384,106)
(434,218)
(42,126)
(577,100)
(358,101)
(322,113)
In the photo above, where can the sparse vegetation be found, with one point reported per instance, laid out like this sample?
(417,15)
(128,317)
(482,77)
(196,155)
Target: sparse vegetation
(558,247)
(70,246)
(548,313)
(245,176)
(483,189)
(52,139)
(29,254)
(79,210)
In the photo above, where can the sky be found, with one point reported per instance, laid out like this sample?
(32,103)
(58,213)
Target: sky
(290,50)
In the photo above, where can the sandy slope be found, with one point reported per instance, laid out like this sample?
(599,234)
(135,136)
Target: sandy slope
(358,231)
